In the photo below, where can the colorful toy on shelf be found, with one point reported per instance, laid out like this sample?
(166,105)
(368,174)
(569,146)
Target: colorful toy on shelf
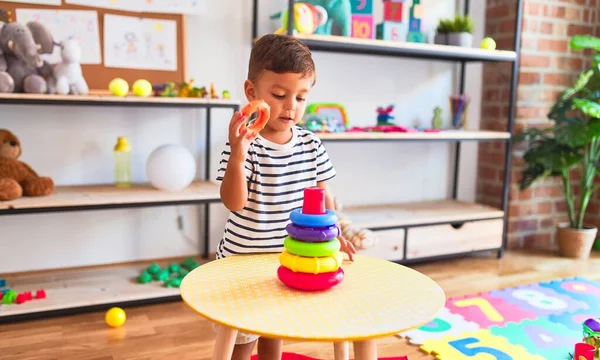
(339,16)
(591,333)
(312,259)
(437,121)
(170,276)
(459,106)
(325,117)
(363,25)
(393,10)
(118,87)
(2,283)
(384,115)
(142,87)
(391,31)
(308,18)
(414,23)
(226,94)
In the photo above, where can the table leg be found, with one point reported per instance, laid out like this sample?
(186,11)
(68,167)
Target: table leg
(341,351)
(365,350)
(224,343)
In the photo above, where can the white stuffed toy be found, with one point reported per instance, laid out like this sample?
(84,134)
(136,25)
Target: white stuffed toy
(68,76)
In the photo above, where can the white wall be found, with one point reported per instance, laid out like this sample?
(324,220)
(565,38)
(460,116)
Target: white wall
(218,50)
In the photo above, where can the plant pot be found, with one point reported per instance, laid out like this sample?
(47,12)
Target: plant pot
(440,39)
(463,39)
(575,243)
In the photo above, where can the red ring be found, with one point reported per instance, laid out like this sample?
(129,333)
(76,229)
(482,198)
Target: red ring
(264,112)
(310,282)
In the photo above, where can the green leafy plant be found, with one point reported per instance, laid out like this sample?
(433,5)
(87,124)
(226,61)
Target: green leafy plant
(445,26)
(457,24)
(572,143)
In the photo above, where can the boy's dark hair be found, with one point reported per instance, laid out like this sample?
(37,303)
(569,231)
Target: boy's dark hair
(280,54)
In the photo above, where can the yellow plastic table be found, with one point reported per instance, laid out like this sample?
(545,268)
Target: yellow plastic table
(377,298)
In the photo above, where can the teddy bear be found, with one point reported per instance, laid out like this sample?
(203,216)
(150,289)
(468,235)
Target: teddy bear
(17,178)
(359,237)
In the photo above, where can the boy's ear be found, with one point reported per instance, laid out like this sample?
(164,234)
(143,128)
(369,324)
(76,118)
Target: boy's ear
(249,90)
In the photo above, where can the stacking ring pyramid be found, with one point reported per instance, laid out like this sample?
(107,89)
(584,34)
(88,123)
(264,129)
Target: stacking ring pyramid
(312,259)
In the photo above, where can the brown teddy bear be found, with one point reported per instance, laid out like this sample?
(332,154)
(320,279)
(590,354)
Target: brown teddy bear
(17,178)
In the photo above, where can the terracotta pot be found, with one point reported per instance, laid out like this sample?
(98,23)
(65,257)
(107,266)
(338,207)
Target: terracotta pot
(575,243)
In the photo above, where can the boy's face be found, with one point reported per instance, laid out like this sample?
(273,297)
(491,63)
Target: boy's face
(286,95)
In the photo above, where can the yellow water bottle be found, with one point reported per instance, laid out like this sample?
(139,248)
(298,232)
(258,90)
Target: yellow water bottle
(122,163)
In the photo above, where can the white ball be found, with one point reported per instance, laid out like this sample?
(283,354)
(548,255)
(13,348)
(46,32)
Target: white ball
(171,167)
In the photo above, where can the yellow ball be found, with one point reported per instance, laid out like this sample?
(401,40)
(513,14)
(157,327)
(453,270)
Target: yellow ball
(142,87)
(488,43)
(118,87)
(115,317)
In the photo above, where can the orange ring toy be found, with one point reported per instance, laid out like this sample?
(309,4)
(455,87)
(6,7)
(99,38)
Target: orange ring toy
(264,112)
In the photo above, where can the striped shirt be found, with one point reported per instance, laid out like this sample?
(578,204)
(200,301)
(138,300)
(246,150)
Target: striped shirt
(277,176)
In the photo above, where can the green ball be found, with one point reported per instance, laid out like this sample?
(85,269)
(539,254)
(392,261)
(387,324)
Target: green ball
(488,44)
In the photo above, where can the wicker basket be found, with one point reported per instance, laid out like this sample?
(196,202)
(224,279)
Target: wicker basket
(575,243)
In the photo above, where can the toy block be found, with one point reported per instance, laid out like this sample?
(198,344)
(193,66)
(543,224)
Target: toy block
(414,25)
(2,283)
(364,7)
(40,294)
(416,37)
(392,11)
(363,26)
(416,11)
(391,31)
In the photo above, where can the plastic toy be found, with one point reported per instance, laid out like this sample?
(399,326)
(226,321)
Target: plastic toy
(414,25)
(584,351)
(436,123)
(40,294)
(392,11)
(312,234)
(226,94)
(264,112)
(142,87)
(384,115)
(9,297)
(115,317)
(118,87)
(390,31)
(591,333)
(170,276)
(308,18)
(363,26)
(2,283)
(339,12)
(309,265)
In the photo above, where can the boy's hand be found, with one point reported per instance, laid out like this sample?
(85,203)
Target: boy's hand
(347,247)
(239,140)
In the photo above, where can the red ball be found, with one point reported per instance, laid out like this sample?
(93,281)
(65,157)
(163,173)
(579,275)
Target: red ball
(310,282)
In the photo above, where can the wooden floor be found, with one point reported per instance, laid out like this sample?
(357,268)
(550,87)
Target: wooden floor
(172,331)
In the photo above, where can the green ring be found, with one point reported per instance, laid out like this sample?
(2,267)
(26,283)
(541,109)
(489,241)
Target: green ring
(320,249)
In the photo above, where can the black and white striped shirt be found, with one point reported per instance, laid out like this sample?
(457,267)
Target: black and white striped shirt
(277,176)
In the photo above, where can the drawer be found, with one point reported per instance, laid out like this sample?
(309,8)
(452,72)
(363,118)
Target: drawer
(389,247)
(445,239)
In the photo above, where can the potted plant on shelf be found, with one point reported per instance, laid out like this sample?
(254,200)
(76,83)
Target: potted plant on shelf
(445,27)
(461,33)
(570,145)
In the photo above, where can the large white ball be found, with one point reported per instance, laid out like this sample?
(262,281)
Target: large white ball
(171,167)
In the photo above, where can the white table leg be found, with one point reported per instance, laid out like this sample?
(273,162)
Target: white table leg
(341,350)
(224,343)
(365,350)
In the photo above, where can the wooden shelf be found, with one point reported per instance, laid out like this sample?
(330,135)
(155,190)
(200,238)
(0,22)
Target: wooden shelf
(101,99)
(419,213)
(87,197)
(93,287)
(342,44)
(416,136)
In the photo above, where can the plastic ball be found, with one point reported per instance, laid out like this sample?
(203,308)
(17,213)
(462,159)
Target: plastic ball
(488,43)
(115,317)
(142,87)
(118,87)
(171,168)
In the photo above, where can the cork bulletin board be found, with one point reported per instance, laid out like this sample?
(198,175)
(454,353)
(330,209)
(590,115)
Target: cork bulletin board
(98,76)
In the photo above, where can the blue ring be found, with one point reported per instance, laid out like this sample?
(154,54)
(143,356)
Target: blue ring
(327,219)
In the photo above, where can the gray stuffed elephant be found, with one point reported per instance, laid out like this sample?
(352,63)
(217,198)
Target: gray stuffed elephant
(22,69)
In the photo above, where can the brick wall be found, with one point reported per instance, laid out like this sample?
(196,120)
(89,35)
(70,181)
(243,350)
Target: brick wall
(547,67)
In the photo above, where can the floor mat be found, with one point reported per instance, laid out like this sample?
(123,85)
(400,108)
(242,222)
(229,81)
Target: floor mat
(536,321)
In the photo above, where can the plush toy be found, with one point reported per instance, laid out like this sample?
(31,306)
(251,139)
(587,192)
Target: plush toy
(17,178)
(339,14)
(21,46)
(68,77)
(359,237)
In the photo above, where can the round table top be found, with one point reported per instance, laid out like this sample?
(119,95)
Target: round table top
(376,298)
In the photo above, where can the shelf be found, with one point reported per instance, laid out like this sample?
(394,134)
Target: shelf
(89,197)
(70,290)
(108,100)
(349,45)
(421,213)
(416,136)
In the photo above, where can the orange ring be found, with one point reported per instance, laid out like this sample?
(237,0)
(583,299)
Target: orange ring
(264,112)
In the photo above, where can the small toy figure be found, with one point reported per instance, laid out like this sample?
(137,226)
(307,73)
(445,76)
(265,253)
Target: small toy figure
(591,333)
(213,92)
(384,116)
(436,123)
(226,94)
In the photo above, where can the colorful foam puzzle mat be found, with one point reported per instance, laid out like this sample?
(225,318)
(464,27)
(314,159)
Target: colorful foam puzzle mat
(294,356)
(540,321)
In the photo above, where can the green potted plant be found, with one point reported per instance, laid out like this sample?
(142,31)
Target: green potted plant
(461,33)
(570,145)
(445,27)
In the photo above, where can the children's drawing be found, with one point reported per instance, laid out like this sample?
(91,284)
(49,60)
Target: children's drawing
(140,43)
(150,6)
(37,2)
(81,25)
